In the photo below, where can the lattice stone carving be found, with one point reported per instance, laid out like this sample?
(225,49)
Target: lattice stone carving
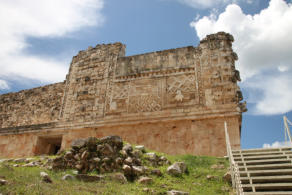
(145,103)
(145,96)
(120,91)
(182,83)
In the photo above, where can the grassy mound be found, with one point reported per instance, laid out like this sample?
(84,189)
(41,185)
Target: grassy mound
(27,180)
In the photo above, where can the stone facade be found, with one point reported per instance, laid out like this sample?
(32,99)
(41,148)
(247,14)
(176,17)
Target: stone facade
(174,101)
(33,106)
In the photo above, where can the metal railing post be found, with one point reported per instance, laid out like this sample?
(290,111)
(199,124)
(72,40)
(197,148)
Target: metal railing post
(287,130)
(236,183)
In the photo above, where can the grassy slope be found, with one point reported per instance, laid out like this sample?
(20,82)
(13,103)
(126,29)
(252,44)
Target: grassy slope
(26,180)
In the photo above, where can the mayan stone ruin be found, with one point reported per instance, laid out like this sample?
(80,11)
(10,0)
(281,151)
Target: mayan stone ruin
(174,101)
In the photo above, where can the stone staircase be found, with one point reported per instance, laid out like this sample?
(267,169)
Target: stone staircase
(264,171)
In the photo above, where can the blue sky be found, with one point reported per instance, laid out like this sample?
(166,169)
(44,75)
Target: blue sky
(39,38)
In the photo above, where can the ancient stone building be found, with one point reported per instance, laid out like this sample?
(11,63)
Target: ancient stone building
(174,101)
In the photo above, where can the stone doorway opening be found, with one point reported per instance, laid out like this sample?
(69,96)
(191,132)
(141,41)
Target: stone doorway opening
(49,145)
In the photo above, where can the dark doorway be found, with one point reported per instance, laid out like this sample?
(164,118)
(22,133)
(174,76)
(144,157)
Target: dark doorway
(49,145)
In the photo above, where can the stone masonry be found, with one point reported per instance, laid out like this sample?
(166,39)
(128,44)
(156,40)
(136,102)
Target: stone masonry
(174,101)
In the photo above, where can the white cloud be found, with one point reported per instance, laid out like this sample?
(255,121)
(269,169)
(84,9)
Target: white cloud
(283,68)
(276,93)
(263,42)
(277,144)
(203,4)
(3,85)
(34,18)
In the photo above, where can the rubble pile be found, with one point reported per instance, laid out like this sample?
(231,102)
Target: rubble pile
(107,155)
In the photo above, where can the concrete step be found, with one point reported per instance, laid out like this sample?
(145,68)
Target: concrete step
(267,179)
(265,171)
(268,187)
(271,172)
(266,166)
(265,161)
(268,193)
(262,153)
(262,150)
(248,158)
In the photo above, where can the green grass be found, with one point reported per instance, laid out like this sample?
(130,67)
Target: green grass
(26,180)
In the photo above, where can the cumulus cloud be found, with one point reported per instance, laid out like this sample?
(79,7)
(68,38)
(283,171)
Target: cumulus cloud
(3,84)
(42,19)
(275,96)
(263,43)
(277,144)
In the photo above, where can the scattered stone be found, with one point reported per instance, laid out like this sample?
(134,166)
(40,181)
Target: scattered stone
(89,178)
(115,141)
(175,192)
(16,165)
(107,150)
(145,180)
(31,164)
(138,170)
(3,182)
(58,163)
(163,158)
(182,166)
(68,177)
(19,160)
(137,153)
(96,159)
(119,161)
(27,160)
(68,155)
(45,177)
(79,167)
(128,161)
(156,172)
(84,155)
(128,148)
(215,166)
(78,143)
(151,156)
(141,148)
(177,169)
(227,177)
(211,177)
(147,190)
(127,170)
(120,178)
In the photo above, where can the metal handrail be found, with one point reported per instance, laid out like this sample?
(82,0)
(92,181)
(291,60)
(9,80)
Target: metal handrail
(287,130)
(236,183)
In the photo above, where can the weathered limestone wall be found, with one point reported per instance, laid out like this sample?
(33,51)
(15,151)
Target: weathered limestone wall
(175,101)
(33,106)
(87,82)
(197,137)
(104,84)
